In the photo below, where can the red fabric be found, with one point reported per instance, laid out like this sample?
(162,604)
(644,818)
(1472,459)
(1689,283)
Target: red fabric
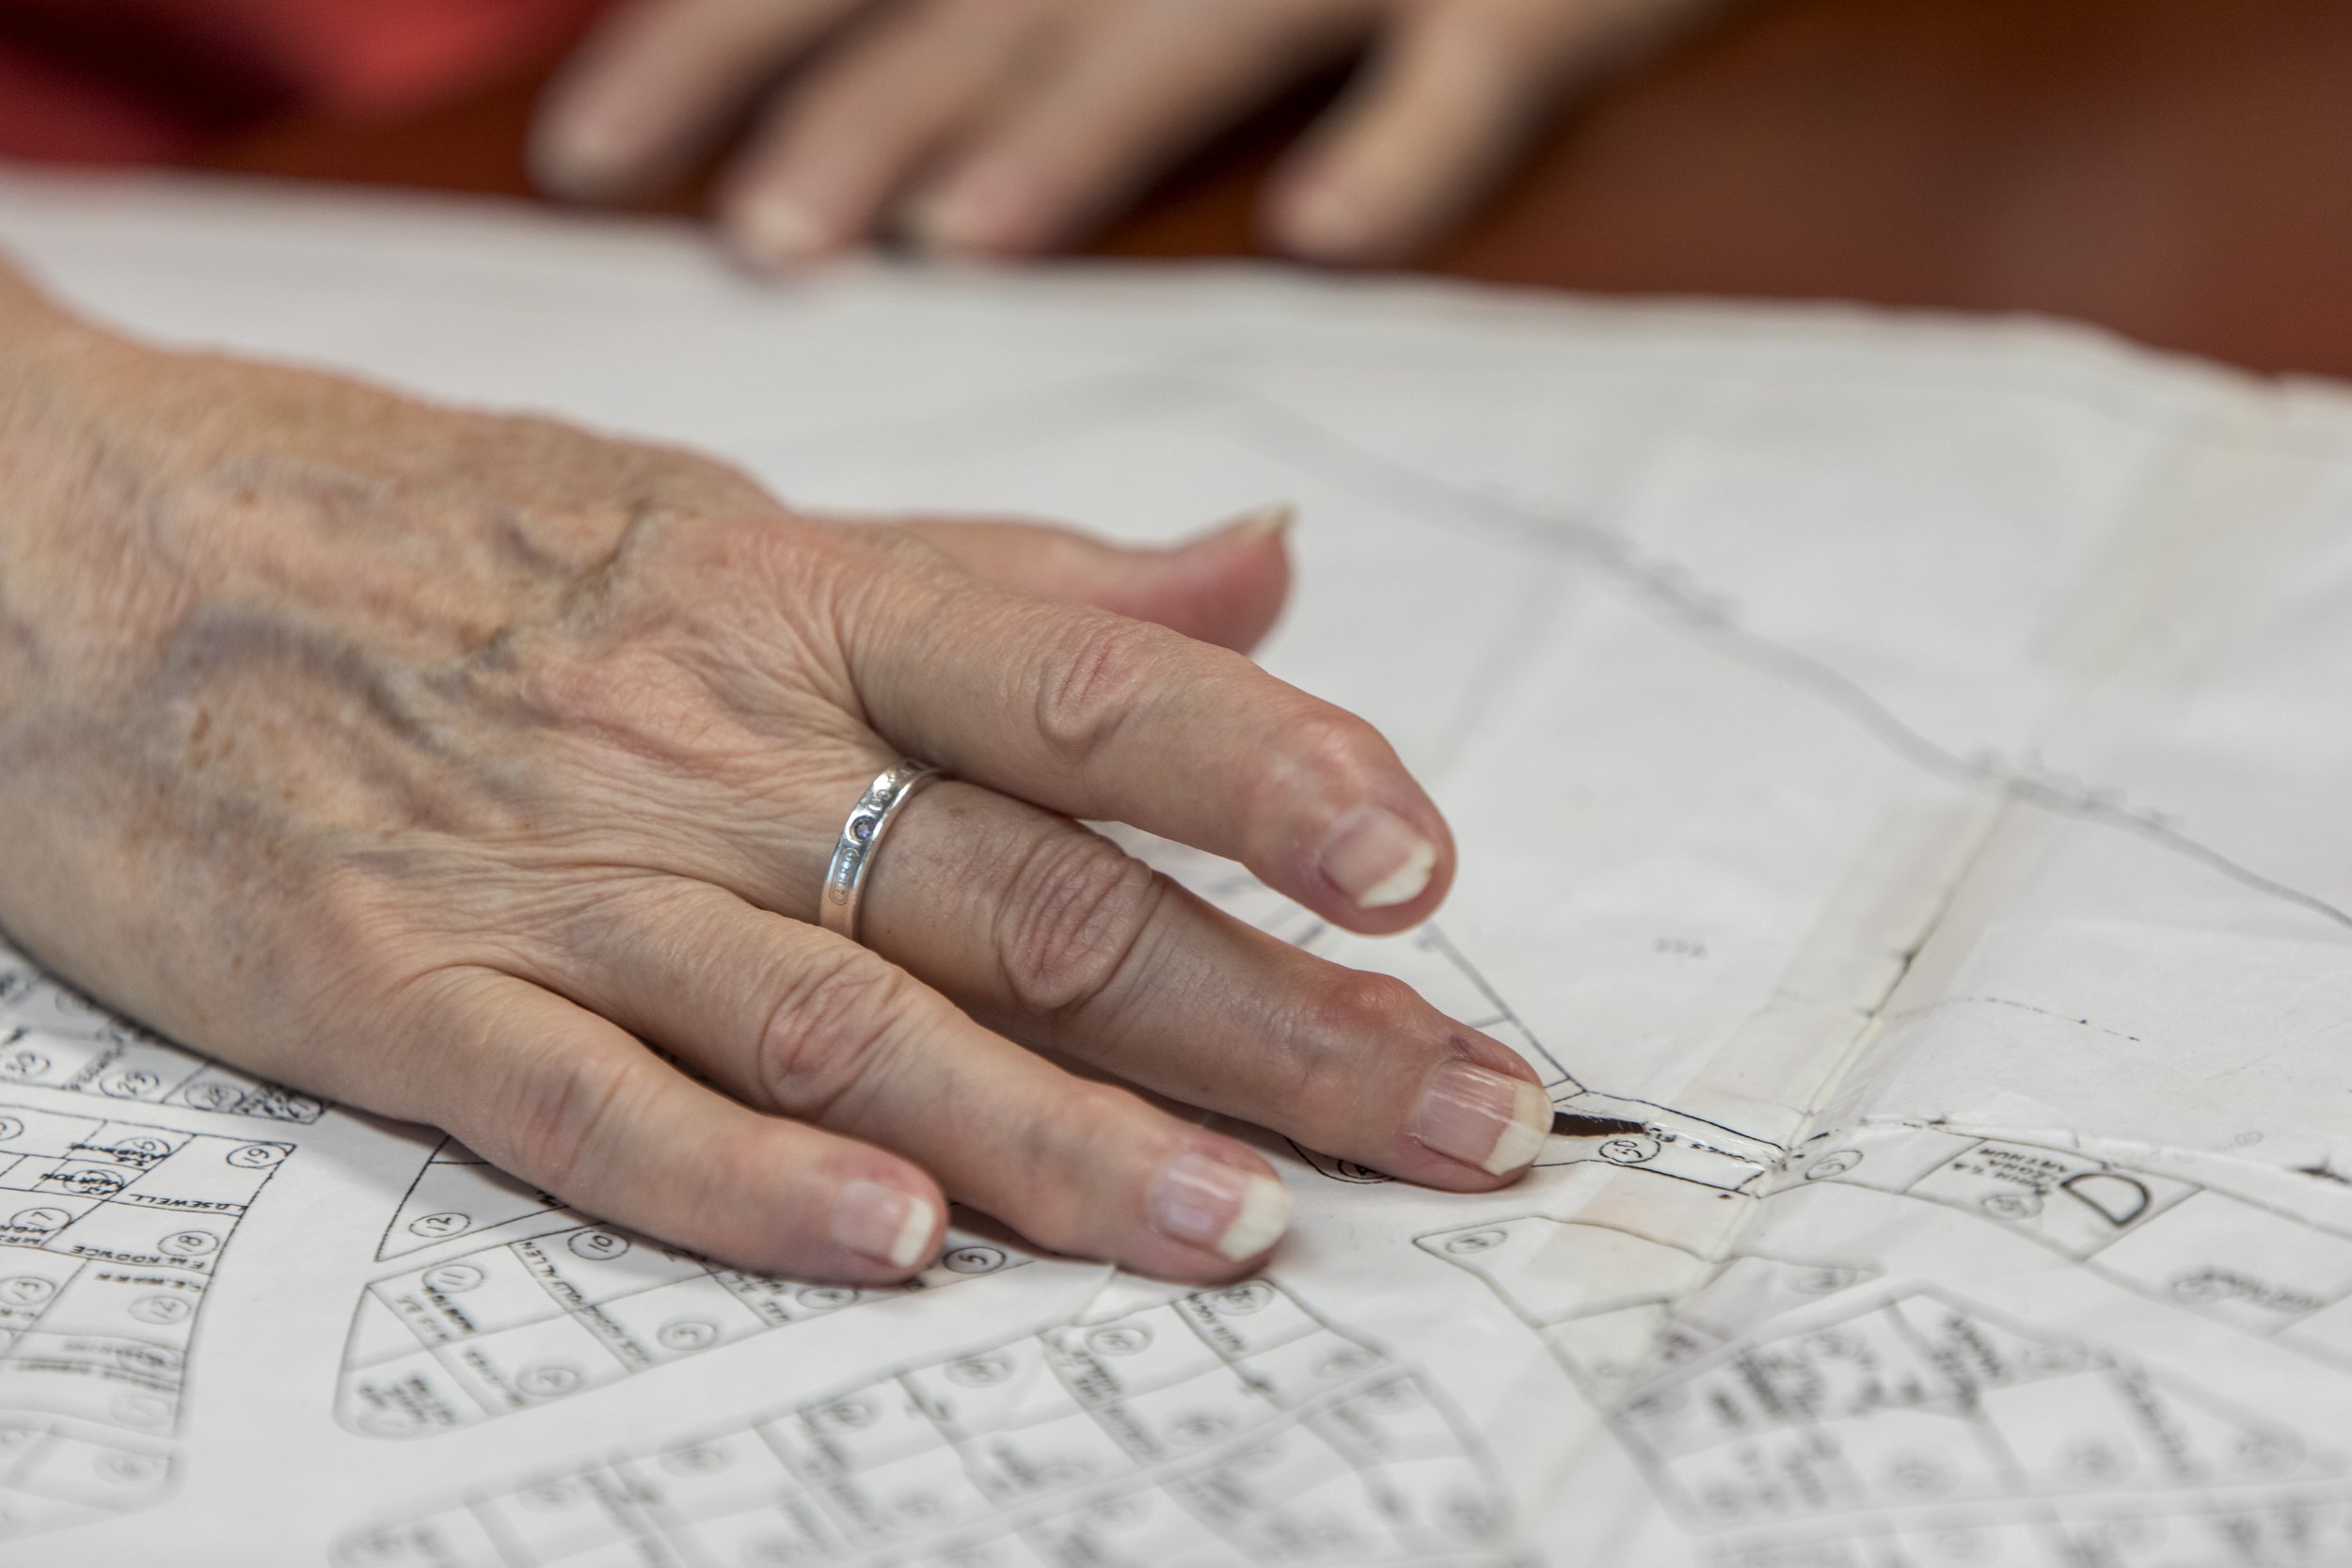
(139,80)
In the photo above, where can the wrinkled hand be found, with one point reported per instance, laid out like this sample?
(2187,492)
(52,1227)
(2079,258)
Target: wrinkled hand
(482,771)
(1003,126)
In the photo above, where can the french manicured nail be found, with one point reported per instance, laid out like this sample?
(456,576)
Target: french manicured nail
(1483,1118)
(1375,858)
(1264,523)
(776,231)
(883,1223)
(1235,1214)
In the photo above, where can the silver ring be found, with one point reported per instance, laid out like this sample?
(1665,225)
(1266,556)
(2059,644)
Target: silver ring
(861,836)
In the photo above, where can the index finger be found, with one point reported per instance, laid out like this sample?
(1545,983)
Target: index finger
(1101,716)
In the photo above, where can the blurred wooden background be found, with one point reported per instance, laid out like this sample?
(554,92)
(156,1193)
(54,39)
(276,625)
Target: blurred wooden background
(2180,170)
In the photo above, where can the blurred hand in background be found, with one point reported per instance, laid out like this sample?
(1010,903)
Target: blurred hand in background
(1002,127)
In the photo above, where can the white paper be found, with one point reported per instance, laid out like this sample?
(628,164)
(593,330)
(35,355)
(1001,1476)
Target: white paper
(1900,772)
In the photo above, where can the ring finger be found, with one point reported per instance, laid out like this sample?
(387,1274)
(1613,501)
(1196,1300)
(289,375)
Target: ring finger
(795,1020)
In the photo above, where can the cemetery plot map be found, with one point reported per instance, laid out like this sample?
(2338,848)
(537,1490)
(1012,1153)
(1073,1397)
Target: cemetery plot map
(1898,769)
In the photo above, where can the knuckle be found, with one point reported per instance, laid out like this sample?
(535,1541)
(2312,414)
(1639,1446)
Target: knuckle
(1323,1063)
(1089,1137)
(796,559)
(1059,1142)
(853,560)
(557,1112)
(1361,1003)
(1073,912)
(348,909)
(1104,672)
(830,1029)
(1325,751)
(633,696)
(851,589)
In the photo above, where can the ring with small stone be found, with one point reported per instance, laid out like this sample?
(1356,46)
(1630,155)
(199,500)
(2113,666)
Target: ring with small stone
(861,836)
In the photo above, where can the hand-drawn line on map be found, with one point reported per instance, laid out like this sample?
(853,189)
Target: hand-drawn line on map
(1912,1419)
(110,1233)
(1233,1422)
(1614,1304)
(1714,617)
(1588,1125)
(1923,1414)
(1941,1003)
(1662,585)
(457,1193)
(52,1037)
(2259,1268)
(1627,1314)
(509,1327)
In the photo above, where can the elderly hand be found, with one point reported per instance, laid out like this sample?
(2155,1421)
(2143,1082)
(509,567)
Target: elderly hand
(481,772)
(1004,125)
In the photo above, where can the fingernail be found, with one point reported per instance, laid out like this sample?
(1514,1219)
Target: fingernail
(1204,1202)
(1375,858)
(1321,220)
(884,1223)
(1483,1118)
(777,231)
(1266,521)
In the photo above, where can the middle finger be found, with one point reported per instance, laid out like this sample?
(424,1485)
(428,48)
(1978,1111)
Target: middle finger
(834,148)
(1065,941)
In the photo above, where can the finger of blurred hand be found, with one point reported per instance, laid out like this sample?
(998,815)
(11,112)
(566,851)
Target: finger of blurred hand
(1226,586)
(658,78)
(568,1101)
(1451,91)
(1101,716)
(1064,941)
(835,146)
(1133,85)
(799,1020)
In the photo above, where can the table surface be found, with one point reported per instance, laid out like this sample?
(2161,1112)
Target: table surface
(2178,170)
